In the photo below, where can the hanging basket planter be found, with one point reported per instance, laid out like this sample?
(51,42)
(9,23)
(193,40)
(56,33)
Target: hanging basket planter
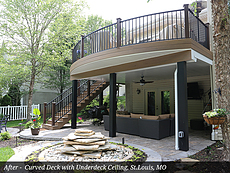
(215,116)
(214,120)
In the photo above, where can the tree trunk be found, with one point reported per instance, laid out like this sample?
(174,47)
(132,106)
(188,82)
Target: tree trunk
(30,97)
(221,56)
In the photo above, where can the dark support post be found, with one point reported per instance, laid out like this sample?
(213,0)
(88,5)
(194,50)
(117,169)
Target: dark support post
(88,88)
(44,113)
(182,106)
(53,113)
(112,106)
(186,21)
(74,104)
(74,96)
(101,99)
(82,46)
(118,32)
(207,36)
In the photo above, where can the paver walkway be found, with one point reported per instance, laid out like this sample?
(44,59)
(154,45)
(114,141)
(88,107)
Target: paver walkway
(163,149)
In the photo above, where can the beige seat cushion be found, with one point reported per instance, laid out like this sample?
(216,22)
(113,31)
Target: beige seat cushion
(119,115)
(150,117)
(123,112)
(164,116)
(172,115)
(136,115)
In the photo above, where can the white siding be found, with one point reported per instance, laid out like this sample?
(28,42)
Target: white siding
(195,107)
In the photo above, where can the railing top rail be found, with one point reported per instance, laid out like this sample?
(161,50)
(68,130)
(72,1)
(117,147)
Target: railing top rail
(99,29)
(151,15)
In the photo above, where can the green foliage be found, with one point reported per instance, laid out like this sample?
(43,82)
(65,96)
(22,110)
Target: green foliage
(5,136)
(57,74)
(15,94)
(36,112)
(106,99)
(57,77)
(5,101)
(194,5)
(35,123)
(28,124)
(216,113)
(121,102)
(26,26)
(5,154)
(94,22)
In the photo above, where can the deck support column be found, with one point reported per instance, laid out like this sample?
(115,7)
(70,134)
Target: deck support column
(182,103)
(112,105)
(101,98)
(74,95)
(74,104)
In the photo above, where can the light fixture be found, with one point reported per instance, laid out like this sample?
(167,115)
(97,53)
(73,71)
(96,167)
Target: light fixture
(142,84)
(138,91)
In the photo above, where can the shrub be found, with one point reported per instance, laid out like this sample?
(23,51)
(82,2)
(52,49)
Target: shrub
(5,136)
(5,101)
(15,95)
(29,124)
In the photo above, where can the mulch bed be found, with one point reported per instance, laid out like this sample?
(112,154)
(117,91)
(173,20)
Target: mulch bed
(16,141)
(12,142)
(210,161)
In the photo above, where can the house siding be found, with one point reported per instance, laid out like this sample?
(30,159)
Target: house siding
(136,102)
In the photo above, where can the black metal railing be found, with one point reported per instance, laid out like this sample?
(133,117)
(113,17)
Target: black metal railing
(169,25)
(62,98)
(198,31)
(65,106)
(62,104)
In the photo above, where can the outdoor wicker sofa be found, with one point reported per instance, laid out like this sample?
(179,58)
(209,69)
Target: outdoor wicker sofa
(155,127)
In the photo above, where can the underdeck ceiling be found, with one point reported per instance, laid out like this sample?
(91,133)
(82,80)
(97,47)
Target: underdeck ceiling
(198,68)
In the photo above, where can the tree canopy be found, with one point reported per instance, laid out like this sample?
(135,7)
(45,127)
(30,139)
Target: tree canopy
(24,27)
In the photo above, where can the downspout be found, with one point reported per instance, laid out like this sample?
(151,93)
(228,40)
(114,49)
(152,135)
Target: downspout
(176,112)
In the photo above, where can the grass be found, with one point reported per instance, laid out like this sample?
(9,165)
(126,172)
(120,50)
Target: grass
(15,123)
(5,154)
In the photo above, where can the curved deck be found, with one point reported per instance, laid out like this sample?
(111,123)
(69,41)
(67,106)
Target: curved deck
(136,57)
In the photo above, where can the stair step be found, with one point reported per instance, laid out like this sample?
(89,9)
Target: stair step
(94,92)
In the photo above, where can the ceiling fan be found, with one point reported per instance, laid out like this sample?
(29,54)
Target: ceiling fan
(143,82)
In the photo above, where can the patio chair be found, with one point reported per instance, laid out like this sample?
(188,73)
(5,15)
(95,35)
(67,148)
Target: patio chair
(3,122)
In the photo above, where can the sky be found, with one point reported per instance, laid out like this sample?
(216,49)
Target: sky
(125,9)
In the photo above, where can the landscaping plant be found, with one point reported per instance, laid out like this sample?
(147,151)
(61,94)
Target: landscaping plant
(5,136)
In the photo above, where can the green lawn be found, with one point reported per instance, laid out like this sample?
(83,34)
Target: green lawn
(6,153)
(16,123)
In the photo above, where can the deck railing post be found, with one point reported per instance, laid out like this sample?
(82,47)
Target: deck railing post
(118,32)
(207,36)
(186,20)
(88,87)
(44,113)
(82,46)
(53,113)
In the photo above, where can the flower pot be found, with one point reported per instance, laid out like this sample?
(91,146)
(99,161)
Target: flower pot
(214,120)
(35,131)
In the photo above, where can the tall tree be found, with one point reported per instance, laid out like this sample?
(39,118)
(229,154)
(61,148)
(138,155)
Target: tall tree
(221,57)
(56,75)
(94,22)
(24,25)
